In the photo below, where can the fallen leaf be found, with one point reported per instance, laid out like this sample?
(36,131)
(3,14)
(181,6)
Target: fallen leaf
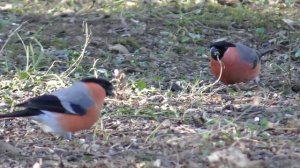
(290,23)
(118,47)
(36,165)
(157,163)
(9,150)
(231,157)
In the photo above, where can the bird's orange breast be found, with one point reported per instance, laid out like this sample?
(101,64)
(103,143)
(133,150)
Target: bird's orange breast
(235,70)
(73,123)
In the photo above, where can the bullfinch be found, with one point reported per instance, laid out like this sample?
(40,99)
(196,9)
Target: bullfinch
(67,110)
(239,62)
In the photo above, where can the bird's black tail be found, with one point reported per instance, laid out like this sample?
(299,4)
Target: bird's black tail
(22,113)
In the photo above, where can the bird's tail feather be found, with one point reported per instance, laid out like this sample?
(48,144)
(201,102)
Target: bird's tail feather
(21,113)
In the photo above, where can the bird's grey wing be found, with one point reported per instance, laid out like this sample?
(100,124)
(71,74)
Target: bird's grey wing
(248,54)
(75,99)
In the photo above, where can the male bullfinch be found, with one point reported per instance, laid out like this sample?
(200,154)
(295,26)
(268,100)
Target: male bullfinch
(240,63)
(67,110)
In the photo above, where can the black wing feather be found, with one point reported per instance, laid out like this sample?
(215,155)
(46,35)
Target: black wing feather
(51,103)
(44,102)
(79,110)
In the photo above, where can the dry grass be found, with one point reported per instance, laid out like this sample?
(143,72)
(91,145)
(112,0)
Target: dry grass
(164,114)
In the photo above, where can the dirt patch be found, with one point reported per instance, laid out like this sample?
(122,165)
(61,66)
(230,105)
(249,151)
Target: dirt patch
(159,117)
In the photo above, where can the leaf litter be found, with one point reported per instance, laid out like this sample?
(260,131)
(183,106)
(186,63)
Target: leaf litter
(159,117)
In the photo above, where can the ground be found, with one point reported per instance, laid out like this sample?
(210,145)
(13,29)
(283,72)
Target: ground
(166,111)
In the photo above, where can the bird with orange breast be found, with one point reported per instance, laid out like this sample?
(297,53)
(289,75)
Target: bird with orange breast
(67,110)
(239,62)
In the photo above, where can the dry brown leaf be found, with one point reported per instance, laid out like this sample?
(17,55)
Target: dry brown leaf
(271,125)
(290,23)
(37,165)
(228,2)
(118,47)
(231,157)
(9,150)
(157,163)
(166,124)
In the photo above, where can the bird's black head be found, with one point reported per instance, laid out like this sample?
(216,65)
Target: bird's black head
(108,87)
(217,49)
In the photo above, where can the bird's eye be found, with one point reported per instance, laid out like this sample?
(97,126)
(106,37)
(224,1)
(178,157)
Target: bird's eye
(214,52)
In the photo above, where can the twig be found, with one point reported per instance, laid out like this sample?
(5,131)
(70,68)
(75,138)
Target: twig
(73,67)
(10,35)
(132,116)
(211,85)
(153,132)
(290,60)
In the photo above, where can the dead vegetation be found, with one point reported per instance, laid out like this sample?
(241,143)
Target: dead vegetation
(164,114)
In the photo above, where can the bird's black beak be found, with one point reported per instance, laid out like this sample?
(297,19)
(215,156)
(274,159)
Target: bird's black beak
(214,52)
